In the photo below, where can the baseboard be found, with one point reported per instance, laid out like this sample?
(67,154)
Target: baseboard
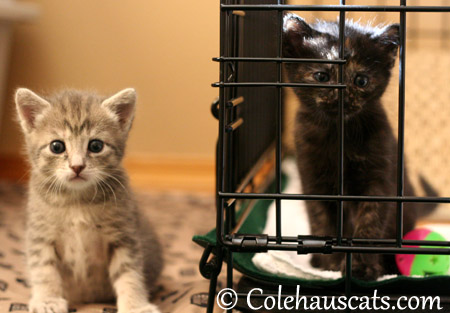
(172,173)
(14,168)
(149,173)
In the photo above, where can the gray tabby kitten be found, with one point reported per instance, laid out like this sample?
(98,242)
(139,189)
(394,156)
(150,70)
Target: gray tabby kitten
(86,239)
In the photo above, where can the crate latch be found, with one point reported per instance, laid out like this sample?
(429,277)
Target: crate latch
(314,246)
(250,243)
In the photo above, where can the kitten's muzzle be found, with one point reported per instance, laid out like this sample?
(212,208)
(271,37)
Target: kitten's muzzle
(333,108)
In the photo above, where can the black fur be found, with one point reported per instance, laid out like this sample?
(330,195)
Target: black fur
(370,147)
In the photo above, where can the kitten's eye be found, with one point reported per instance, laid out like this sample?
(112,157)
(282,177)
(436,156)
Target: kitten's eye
(361,81)
(95,146)
(321,77)
(57,146)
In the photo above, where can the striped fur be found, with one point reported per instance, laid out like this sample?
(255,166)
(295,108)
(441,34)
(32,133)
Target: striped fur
(86,239)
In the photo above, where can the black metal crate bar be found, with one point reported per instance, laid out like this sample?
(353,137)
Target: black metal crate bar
(231,182)
(278,196)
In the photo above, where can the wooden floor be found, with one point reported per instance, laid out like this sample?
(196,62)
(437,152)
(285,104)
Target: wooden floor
(160,174)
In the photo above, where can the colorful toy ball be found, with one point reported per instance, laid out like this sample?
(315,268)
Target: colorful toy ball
(423,264)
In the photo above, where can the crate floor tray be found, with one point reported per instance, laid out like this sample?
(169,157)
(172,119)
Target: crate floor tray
(287,268)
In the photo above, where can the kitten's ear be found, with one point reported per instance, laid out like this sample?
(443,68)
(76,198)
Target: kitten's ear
(390,39)
(29,106)
(123,105)
(295,31)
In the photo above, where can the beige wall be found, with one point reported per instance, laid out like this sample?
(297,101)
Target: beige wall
(162,48)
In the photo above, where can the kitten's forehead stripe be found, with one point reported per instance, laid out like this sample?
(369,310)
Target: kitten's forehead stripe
(67,125)
(63,108)
(79,112)
(85,125)
(88,103)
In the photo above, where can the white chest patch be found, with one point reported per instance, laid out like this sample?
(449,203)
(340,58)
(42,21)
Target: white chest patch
(82,247)
(84,257)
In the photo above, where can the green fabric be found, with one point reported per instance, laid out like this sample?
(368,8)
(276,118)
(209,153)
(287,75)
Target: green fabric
(255,224)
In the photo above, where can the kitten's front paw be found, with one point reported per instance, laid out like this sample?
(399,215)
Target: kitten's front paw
(369,272)
(328,262)
(149,308)
(365,268)
(48,305)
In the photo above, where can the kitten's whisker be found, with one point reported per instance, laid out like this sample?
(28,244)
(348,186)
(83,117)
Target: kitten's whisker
(60,187)
(111,176)
(96,189)
(55,188)
(104,195)
(24,174)
(112,190)
(44,183)
(118,172)
(50,187)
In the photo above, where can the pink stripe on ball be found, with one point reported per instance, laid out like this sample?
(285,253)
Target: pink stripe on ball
(405,261)
(417,234)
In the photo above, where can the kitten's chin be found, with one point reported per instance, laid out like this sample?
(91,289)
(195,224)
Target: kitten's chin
(78,183)
(331,109)
(348,112)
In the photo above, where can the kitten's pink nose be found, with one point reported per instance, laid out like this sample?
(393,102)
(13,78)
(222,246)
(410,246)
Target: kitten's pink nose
(77,169)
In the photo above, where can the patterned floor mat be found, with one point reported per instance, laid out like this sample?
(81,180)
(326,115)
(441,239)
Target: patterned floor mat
(176,216)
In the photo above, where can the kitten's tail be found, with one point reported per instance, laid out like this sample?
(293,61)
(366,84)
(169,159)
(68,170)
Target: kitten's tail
(427,208)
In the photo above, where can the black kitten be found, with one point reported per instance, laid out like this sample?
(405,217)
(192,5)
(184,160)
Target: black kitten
(369,144)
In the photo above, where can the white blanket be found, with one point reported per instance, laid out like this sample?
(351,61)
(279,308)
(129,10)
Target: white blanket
(294,222)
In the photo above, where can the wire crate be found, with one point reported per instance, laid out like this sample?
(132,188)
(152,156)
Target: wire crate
(249,150)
